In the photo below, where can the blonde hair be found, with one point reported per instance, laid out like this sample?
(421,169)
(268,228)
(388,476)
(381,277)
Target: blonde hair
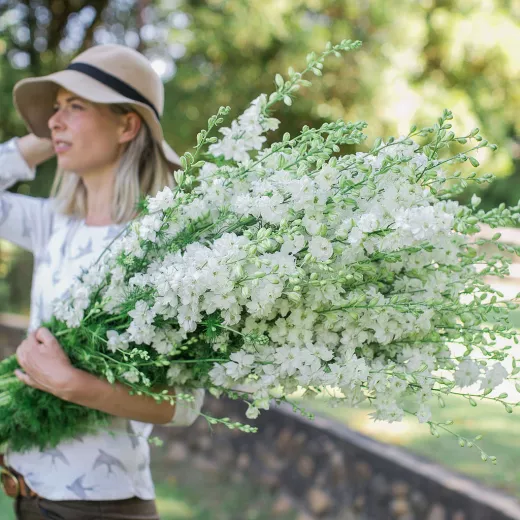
(142,171)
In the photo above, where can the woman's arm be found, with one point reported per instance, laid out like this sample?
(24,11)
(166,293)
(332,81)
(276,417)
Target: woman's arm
(88,390)
(47,367)
(24,220)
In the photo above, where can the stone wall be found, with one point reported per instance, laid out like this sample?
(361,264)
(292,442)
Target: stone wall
(319,469)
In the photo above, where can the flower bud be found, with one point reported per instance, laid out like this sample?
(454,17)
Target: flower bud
(294,297)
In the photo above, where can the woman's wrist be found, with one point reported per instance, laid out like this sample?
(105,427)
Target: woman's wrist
(72,387)
(35,150)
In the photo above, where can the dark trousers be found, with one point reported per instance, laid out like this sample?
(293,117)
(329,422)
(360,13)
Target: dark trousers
(42,509)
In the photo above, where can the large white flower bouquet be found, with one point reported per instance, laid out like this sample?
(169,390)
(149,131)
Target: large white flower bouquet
(276,268)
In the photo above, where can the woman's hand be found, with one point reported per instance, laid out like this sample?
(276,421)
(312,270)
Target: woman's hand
(45,364)
(47,367)
(35,150)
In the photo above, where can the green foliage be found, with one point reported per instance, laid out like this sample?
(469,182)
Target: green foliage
(226,51)
(21,420)
(23,411)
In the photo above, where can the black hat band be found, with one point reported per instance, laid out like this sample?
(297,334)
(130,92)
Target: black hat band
(114,83)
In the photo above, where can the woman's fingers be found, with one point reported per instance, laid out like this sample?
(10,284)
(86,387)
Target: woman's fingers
(44,364)
(26,349)
(24,378)
(45,336)
(20,353)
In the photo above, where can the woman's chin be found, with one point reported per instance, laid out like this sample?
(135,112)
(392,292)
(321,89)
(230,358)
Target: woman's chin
(66,164)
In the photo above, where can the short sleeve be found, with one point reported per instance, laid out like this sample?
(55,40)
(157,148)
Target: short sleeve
(186,412)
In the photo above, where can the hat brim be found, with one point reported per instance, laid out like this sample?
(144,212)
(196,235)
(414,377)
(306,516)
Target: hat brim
(170,155)
(34,99)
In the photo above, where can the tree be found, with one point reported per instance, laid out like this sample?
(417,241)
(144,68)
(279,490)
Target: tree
(417,59)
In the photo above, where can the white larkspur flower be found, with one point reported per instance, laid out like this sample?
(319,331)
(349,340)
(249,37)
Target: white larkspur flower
(378,310)
(148,227)
(320,248)
(424,414)
(177,374)
(467,373)
(117,341)
(162,201)
(494,376)
(132,376)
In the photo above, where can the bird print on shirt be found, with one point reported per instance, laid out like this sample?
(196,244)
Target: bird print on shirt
(112,232)
(71,229)
(26,228)
(5,210)
(63,249)
(29,475)
(79,489)
(65,295)
(41,309)
(134,439)
(83,250)
(105,459)
(55,454)
(43,258)
(56,277)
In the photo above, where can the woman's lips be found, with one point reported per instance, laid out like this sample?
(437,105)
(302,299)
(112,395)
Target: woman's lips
(61,146)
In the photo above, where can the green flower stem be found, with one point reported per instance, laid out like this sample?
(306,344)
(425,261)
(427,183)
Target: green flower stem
(5,399)
(116,318)
(197,360)
(287,87)
(439,163)
(386,304)
(100,355)
(478,396)
(61,333)
(8,381)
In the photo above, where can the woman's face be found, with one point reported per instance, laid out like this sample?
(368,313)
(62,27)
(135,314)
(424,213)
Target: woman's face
(89,137)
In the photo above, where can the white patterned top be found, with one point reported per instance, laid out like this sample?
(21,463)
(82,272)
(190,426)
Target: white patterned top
(109,465)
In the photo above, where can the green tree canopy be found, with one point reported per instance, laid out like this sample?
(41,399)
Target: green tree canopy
(418,57)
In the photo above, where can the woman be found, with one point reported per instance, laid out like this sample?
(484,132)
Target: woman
(102,115)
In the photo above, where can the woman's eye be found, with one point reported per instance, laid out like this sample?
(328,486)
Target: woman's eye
(76,107)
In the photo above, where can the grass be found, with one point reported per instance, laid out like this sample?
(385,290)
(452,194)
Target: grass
(500,432)
(6,507)
(209,496)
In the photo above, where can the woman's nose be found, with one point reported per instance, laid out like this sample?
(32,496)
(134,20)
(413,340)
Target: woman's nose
(56,120)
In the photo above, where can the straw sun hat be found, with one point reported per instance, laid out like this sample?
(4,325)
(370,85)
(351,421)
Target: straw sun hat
(103,74)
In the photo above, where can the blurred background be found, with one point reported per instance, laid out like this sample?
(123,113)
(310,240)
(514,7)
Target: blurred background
(418,57)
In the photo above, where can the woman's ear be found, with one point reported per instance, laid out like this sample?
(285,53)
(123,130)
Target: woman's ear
(130,126)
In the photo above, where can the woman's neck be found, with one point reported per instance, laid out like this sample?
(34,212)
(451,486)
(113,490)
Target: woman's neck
(97,220)
(100,194)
